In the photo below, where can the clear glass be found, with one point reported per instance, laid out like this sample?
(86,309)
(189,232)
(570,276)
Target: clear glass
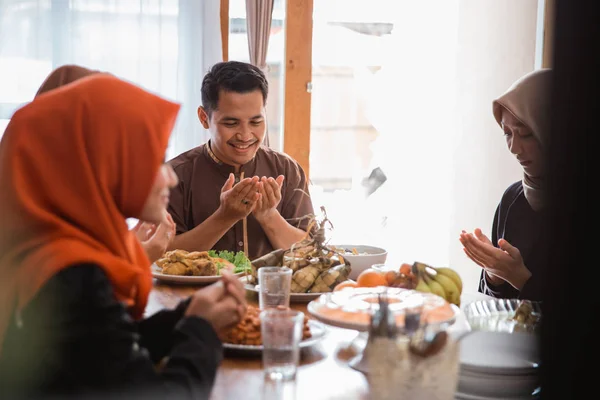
(274,284)
(281,333)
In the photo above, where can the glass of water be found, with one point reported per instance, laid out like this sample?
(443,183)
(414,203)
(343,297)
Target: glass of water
(281,331)
(274,284)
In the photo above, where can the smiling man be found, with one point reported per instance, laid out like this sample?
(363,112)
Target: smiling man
(233,180)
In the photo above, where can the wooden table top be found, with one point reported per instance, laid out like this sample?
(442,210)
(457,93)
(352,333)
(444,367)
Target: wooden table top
(323,372)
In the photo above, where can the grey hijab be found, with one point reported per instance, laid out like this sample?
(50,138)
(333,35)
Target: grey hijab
(528,100)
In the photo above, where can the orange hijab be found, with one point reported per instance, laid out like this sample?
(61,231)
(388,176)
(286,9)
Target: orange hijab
(64,75)
(74,163)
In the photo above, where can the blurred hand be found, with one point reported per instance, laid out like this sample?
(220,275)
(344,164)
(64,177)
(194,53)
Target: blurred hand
(270,196)
(223,304)
(238,201)
(155,238)
(501,264)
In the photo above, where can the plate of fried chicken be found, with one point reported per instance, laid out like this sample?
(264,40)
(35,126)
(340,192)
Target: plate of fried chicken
(195,267)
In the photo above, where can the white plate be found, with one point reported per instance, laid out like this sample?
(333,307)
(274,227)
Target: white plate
(312,309)
(294,297)
(498,385)
(181,279)
(499,353)
(315,305)
(465,396)
(317,330)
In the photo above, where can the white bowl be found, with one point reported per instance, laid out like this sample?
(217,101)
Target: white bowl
(360,262)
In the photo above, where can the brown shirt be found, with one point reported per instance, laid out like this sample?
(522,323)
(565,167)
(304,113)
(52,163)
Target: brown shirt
(197,196)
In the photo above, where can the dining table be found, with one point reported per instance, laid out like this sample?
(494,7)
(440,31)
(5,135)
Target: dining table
(323,371)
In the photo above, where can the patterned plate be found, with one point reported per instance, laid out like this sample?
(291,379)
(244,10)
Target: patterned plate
(317,330)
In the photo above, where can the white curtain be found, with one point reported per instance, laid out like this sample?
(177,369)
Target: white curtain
(166,46)
(259,14)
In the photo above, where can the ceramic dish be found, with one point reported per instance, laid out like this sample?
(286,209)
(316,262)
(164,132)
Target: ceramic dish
(499,353)
(351,308)
(367,257)
(294,297)
(496,315)
(465,396)
(317,330)
(184,279)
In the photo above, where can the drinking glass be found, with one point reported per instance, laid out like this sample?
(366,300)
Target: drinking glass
(281,333)
(274,284)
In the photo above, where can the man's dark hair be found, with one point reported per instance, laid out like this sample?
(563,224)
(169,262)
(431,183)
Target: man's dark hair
(232,76)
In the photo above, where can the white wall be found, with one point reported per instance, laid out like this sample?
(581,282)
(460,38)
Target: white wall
(497,43)
(445,157)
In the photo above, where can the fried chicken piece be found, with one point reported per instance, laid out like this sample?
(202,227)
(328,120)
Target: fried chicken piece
(162,262)
(175,268)
(176,255)
(204,267)
(194,255)
(181,262)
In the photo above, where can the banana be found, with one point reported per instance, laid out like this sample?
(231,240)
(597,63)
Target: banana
(452,274)
(452,292)
(435,287)
(422,286)
(418,268)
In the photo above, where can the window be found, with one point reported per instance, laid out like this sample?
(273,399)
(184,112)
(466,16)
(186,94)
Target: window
(157,44)
(238,51)
(404,89)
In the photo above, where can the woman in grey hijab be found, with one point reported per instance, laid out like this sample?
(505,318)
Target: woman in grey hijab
(512,260)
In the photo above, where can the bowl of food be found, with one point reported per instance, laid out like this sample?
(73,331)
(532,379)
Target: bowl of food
(504,315)
(361,257)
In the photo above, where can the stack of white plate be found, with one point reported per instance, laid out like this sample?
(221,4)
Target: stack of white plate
(498,365)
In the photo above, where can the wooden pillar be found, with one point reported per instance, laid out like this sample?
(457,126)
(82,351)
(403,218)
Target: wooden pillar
(298,76)
(224,16)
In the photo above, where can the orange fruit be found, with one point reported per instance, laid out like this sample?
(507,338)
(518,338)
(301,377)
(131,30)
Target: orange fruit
(346,284)
(405,269)
(371,278)
(390,277)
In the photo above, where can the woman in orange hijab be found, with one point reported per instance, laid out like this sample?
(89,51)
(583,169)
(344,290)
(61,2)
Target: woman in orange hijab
(155,238)
(74,163)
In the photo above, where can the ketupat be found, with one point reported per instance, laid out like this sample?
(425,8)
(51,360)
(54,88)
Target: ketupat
(309,258)
(272,259)
(330,278)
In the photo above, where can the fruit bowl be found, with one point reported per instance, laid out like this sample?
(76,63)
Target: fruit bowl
(365,257)
(441,281)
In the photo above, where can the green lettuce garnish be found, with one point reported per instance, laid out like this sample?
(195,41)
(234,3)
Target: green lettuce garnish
(239,259)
